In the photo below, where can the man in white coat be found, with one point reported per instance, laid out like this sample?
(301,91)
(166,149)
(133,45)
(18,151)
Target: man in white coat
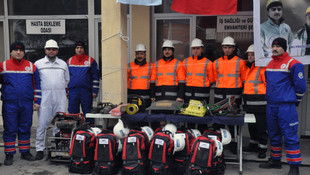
(54,74)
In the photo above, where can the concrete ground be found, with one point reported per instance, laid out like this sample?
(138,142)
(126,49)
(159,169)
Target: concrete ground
(250,162)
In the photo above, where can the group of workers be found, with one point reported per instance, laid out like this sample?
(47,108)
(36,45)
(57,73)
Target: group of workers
(271,93)
(44,87)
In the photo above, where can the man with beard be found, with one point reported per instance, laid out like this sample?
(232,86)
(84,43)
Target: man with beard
(54,74)
(168,77)
(139,75)
(274,27)
(286,85)
(301,43)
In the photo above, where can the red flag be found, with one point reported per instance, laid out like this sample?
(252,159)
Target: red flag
(205,7)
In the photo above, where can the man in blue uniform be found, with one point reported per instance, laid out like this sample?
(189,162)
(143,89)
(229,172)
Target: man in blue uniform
(84,81)
(285,88)
(21,94)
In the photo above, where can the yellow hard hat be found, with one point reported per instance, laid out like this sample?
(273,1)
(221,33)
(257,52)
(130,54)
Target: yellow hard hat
(308,10)
(269,2)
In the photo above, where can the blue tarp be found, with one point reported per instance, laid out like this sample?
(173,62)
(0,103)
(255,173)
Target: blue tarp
(144,117)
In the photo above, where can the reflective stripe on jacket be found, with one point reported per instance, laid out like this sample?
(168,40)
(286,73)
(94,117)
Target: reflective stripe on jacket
(229,73)
(255,82)
(138,77)
(168,73)
(198,72)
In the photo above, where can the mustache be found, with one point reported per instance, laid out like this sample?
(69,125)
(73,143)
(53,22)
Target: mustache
(274,51)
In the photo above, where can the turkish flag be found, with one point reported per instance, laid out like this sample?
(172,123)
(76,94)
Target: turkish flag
(205,7)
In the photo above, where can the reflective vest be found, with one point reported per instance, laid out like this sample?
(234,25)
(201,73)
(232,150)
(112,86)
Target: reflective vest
(198,72)
(229,73)
(255,82)
(138,77)
(168,73)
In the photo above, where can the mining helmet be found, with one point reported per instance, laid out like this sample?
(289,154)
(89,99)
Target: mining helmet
(307,11)
(196,43)
(51,44)
(179,142)
(250,48)
(270,2)
(148,130)
(170,127)
(168,43)
(195,132)
(219,148)
(120,131)
(226,136)
(228,41)
(95,130)
(140,48)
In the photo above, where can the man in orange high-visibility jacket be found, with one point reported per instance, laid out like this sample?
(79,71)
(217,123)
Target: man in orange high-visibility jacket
(255,102)
(229,72)
(139,75)
(199,74)
(167,79)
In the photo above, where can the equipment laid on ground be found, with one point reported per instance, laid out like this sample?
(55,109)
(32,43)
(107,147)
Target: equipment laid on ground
(136,104)
(58,146)
(103,108)
(195,108)
(165,106)
(223,107)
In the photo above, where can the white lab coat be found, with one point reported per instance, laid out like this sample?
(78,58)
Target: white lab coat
(54,80)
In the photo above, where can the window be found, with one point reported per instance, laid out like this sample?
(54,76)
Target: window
(1,7)
(47,7)
(176,30)
(76,30)
(97,7)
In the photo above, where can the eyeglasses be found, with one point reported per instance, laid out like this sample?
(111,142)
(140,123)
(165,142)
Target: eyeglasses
(275,8)
(53,49)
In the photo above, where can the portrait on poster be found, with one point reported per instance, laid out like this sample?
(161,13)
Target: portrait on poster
(282,18)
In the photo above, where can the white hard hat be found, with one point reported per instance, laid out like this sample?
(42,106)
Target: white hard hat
(140,48)
(119,130)
(51,44)
(179,142)
(195,132)
(170,127)
(250,48)
(228,41)
(196,43)
(95,130)
(226,136)
(149,131)
(119,146)
(219,148)
(168,43)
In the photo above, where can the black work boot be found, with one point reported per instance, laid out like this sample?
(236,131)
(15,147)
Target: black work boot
(272,163)
(28,156)
(262,153)
(8,159)
(39,155)
(251,148)
(294,170)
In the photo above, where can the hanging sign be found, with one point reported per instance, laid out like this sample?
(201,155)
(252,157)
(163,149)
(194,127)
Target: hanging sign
(46,26)
(234,23)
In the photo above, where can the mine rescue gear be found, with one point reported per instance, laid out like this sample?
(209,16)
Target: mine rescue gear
(149,132)
(51,44)
(138,80)
(119,130)
(199,76)
(54,80)
(167,44)
(171,128)
(226,136)
(195,132)
(168,79)
(286,85)
(136,104)
(255,102)
(84,82)
(179,142)
(165,106)
(229,41)
(194,108)
(140,48)
(20,89)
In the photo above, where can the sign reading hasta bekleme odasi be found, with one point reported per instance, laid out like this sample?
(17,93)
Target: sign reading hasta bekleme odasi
(46,26)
